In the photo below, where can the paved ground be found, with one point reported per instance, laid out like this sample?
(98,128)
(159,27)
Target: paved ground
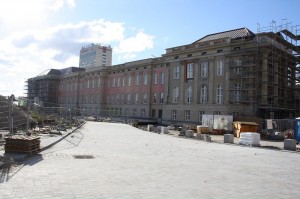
(119,161)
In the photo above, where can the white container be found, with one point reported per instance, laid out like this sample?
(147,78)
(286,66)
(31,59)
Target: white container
(150,127)
(189,133)
(164,130)
(251,139)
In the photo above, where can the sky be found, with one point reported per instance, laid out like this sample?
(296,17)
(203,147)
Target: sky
(37,35)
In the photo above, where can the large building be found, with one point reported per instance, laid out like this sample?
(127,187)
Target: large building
(234,72)
(95,55)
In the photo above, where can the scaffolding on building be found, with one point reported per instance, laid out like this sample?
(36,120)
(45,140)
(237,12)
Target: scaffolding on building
(278,55)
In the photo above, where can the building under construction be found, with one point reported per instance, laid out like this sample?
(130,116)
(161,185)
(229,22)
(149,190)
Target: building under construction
(236,72)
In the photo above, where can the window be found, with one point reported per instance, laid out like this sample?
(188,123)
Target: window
(204,69)
(203,94)
(129,80)
(237,93)
(154,98)
(153,114)
(114,82)
(162,78)
(143,112)
(137,80)
(123,82)
(219,94)
(126,111)
(99,82)
(145,79)
(161,98)
(174,114)
(122,98)
(155,78)
(220,67)
(175,95)
(219,51)
(108,83)
(200,114)
(118,84)
(176,72)
(93,86)
(217,113)
(189,95)
(187,115)
(128,98)
(136,100)
(118,98)
(238,71)
(88,84)
(145,98)
(190,71)
(134,112)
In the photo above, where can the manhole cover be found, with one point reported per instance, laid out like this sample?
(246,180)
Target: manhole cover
(83,156)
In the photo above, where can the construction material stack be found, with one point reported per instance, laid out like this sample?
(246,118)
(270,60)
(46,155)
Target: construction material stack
(22,144)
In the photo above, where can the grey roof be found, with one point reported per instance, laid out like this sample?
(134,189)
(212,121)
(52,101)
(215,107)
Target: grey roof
(233,34)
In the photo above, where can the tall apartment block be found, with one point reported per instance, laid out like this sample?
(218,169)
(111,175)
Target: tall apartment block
(95,55)
(235,72)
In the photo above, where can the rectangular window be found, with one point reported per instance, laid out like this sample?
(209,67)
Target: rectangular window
(153,114)
(162,78)
(203,94)
(118,84)
(114,82)
(99,82)
(137,80)
(123,82)
(154,98)
(161,98)
(176,72)
(200,115)
(190,71)
(145,98)
(88,84)
(136,100)
(129,80)
(145,79)
(118,98)
(128,99)
(134,112)
(175,95)
(143,112)
(219,94)
(174,114)
(220,67)
(237,93)
(189,94)
(187,115)
(204,69)
(155,78)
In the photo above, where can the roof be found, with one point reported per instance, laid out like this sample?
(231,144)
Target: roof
(233,34)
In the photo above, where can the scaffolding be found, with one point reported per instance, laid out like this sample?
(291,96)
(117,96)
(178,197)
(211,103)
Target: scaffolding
(278,59)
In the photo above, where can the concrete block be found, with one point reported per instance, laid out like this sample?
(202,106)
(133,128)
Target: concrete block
(164,130)
(290,144)
(206,137)
(150,127)
(229,138)
(199,136)
(189,133)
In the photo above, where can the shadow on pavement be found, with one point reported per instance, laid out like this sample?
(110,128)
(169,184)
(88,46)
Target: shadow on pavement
(11,166)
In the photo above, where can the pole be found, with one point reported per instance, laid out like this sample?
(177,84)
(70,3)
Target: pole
(28,119)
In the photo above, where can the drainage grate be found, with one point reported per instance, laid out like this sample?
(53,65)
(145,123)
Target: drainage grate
(83,156)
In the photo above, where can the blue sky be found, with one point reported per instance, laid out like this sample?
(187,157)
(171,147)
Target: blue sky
(40,34)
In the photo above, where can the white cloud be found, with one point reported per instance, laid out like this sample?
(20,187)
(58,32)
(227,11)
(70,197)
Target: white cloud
(26,54)
(138,43)
(59,4)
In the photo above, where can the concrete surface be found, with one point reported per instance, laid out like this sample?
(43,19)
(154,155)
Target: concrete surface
(106,160)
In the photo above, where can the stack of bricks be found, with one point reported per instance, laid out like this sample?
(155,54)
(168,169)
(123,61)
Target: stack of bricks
(22,144)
